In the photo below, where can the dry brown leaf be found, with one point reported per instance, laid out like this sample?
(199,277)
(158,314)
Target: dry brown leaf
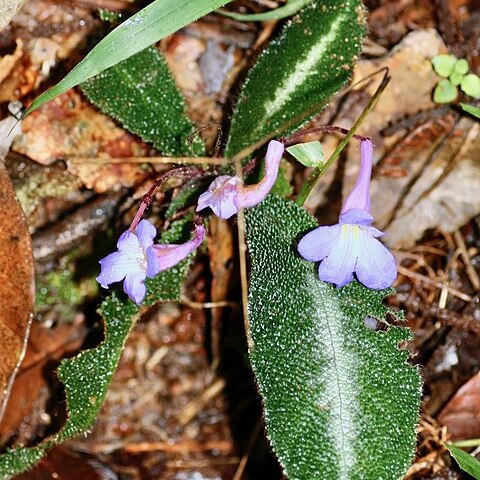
(69,127)
(62,464)
(16,274)
(25,412)
(461,415)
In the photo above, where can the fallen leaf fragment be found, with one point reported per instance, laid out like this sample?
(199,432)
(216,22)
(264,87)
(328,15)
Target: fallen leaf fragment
(16,273)
(461,415)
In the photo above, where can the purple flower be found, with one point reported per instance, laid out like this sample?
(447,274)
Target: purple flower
(227,194)
(138,258)
(351,246)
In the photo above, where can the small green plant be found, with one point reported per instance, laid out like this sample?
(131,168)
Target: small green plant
(454,73)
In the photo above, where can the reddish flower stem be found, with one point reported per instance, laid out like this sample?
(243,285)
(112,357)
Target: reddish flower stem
(296,137)
(148,197)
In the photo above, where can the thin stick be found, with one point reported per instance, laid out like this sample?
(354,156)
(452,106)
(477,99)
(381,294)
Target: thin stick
(206,305)
(192,409)
(318,171)
(153,160)
(471,273)
(218,141)
(242,252)
(296,137)
(435,283)
(471,442)
(168,447)
(251,442)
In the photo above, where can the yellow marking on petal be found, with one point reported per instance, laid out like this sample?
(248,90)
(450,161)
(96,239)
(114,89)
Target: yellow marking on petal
(349,230)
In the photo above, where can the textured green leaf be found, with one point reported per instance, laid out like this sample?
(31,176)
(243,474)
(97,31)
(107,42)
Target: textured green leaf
(292,7)
(142,95)
(87,376)
(445,92)
(471,85)
(471,109)
(154,22)
(340,400)
(310,61)
(309,154)
(467,463)
(187,195)
(444,64)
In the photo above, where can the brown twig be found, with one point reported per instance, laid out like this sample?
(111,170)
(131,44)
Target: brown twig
(435,283)
(298,136)
(192,409)
(242,252)
(153,160)
(471,272)
(206,305)
(251,442)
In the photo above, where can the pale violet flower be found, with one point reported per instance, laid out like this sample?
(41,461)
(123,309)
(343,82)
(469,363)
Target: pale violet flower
(227,194)
(138,258)
(351,246)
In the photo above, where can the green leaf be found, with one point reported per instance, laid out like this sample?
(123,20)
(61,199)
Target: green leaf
(292,7)
(445,92)
(341,402)
(187,195)
(461,66)
(310,61)
(154,22)
(471,85)
(456,78)
(471,109)
(142,95)
(444,64)
(309,154)
(87,376)
(467,463)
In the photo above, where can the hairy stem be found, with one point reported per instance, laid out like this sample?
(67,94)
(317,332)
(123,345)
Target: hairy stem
(318,171)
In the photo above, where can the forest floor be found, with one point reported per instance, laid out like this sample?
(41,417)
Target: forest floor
(183,403)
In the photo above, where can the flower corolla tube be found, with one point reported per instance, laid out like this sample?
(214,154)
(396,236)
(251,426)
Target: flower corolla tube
(351,246)
(227,194)
(138,258)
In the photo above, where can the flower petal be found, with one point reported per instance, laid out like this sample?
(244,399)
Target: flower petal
(356,216)
(163,257)
(318,243)
(340,263)
(134,286)
(115,267)
(359,197)
(146,232)
(128,241)
(376,266)
(252,195)
(221,196)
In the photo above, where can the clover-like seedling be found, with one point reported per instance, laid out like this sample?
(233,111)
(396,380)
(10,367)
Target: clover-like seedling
(455,74)
(444,64)
(471,85)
